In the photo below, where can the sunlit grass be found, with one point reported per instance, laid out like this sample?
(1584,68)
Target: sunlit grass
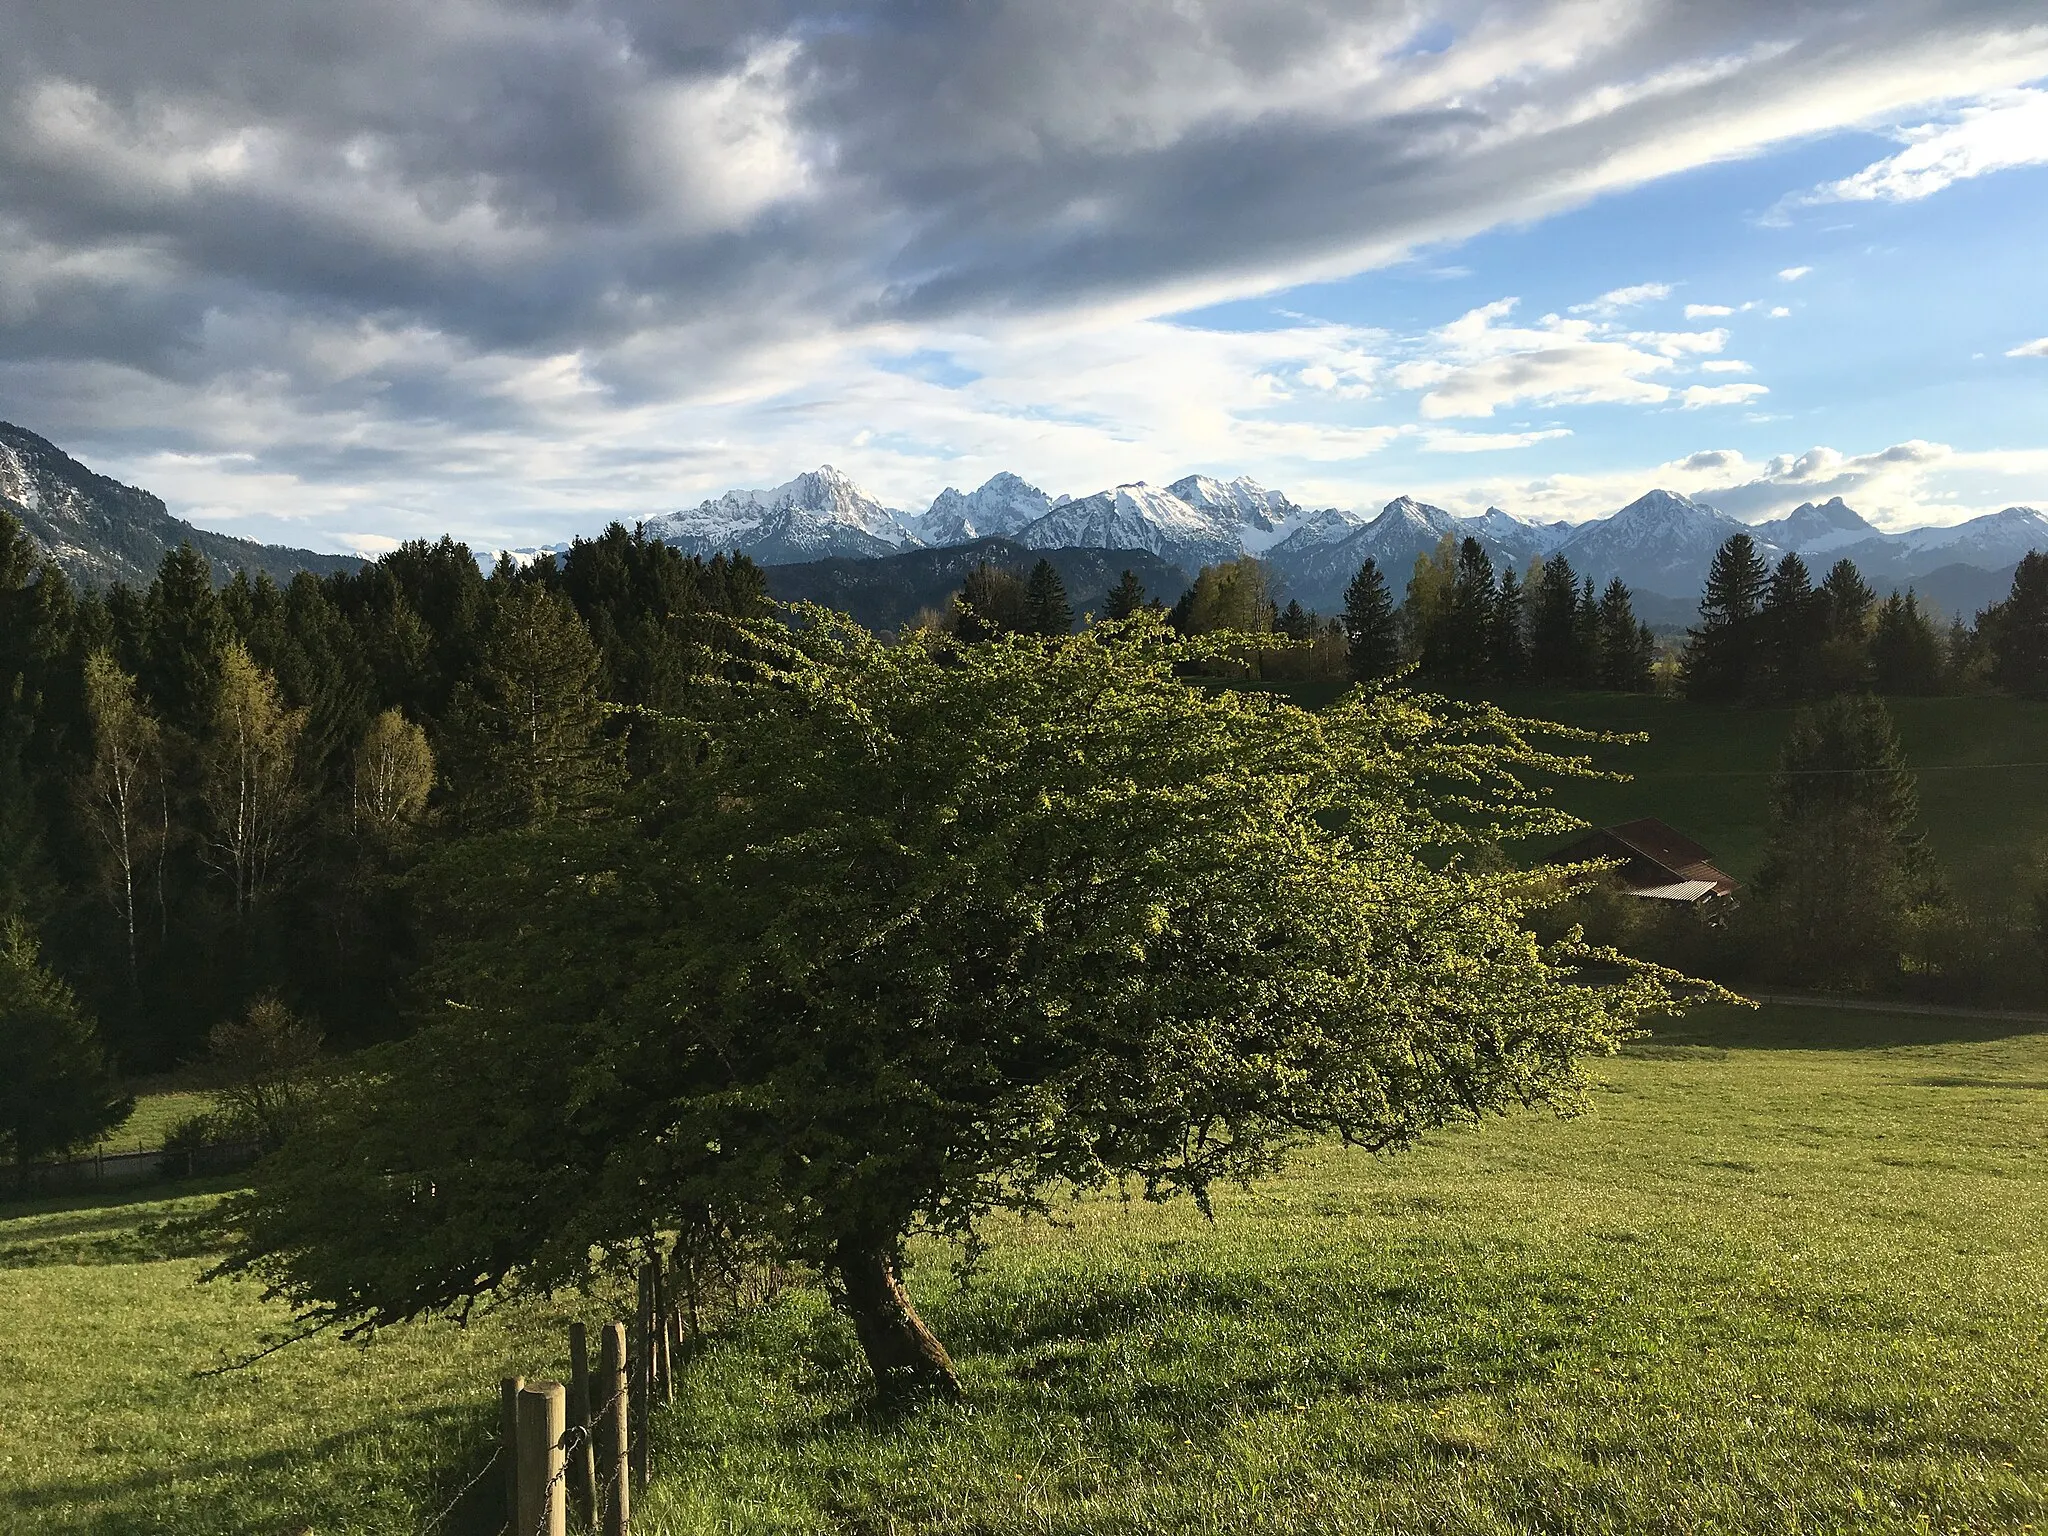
(1788,1273)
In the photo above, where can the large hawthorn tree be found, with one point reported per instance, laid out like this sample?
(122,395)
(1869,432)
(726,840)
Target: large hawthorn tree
(894,937)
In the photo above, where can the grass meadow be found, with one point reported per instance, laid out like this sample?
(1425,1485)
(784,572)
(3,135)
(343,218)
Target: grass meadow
(1788,1272)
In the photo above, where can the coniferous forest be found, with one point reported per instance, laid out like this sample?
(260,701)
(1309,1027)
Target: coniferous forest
(214,793)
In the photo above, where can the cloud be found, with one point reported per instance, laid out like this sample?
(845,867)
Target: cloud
(506,267)
(2001,132)
(1617,299)
(1707,311)
(1447,441)
(1725,365)
(1779,312)
(1793,274)
(2036,348)
(1478,363)
(1699,395)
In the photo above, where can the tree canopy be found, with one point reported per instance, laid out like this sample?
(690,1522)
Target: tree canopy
(894,937)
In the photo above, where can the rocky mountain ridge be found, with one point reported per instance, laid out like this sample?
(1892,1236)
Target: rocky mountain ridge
(99,531)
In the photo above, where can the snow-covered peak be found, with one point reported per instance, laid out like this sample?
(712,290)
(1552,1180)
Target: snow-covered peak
(1138,516)
(1816,529)
(1991,540)
(1005,504)
(1243,498)
(1416,514)
(824,493)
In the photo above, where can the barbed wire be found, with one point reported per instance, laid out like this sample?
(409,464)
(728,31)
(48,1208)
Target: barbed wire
(463,1492)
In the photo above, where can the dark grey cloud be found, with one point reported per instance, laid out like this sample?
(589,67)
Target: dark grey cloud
(344,207)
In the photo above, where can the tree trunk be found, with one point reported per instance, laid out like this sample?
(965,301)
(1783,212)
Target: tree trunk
(906,1359)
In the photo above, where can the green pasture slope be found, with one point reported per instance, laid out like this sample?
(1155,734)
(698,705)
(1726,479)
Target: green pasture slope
(1982,762)
(1788,1273)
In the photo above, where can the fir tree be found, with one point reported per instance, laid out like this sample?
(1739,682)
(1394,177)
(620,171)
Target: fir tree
(2018,631)
(1905,650)
(1845,868)
(1792,625)
(1461,640)
(57,1088)
(1626,645)
(1124,599)
(1296,622)
(1555,651)
(1373,633)
(527,736)
(1848,613)
(1721,654)
(188,633)
(1507,650)
(1046,609)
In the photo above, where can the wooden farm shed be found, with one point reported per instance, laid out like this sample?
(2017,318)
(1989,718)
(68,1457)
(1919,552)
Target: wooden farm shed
(1658,862)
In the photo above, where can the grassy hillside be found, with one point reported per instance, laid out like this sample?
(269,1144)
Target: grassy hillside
(1787,1273)
(1982,764)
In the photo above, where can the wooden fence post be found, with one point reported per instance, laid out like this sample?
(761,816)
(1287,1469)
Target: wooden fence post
(640,1378)
(664,1364)
(613,1431)
(582,1454)
(508,1442)
(543,1509)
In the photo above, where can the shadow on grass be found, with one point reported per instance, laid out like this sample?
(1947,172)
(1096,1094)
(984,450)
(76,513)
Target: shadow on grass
(134,1226)
(470,1490)
(1779,1027)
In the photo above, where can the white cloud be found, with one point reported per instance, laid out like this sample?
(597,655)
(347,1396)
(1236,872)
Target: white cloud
(1617,299)
(1448,441)
(2036,348)
(1707,311)
(1779,312)
(1699,395)
(1793,274)
(1725,365)
(1477,364)
(1997,133)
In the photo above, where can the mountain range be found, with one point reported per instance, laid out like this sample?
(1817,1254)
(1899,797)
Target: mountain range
(1660,544)
(100,531)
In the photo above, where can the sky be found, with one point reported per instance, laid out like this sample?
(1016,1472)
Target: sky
(346,274)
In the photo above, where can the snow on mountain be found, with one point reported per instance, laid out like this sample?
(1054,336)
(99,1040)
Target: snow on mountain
(1315,567)
(1504,534)
(1139,516)
(99,531)
(1660,542)
(1263,517)
(1997,538)
(1004,505)
(1817,530)
(816,515)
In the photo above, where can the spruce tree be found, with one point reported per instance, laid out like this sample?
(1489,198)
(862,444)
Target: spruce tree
(1905,650)
(1461,644)
(1125,598)
(57,1089)
(1372,631)
(1555,654)
(1507,650)
(1626,645)
(1721,658)
(1848,614)
(1845,867)
(188,633)
(1046,609)
(527,735)
(1427,604)
(2018,631)
(1792,626)
(1296,622)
